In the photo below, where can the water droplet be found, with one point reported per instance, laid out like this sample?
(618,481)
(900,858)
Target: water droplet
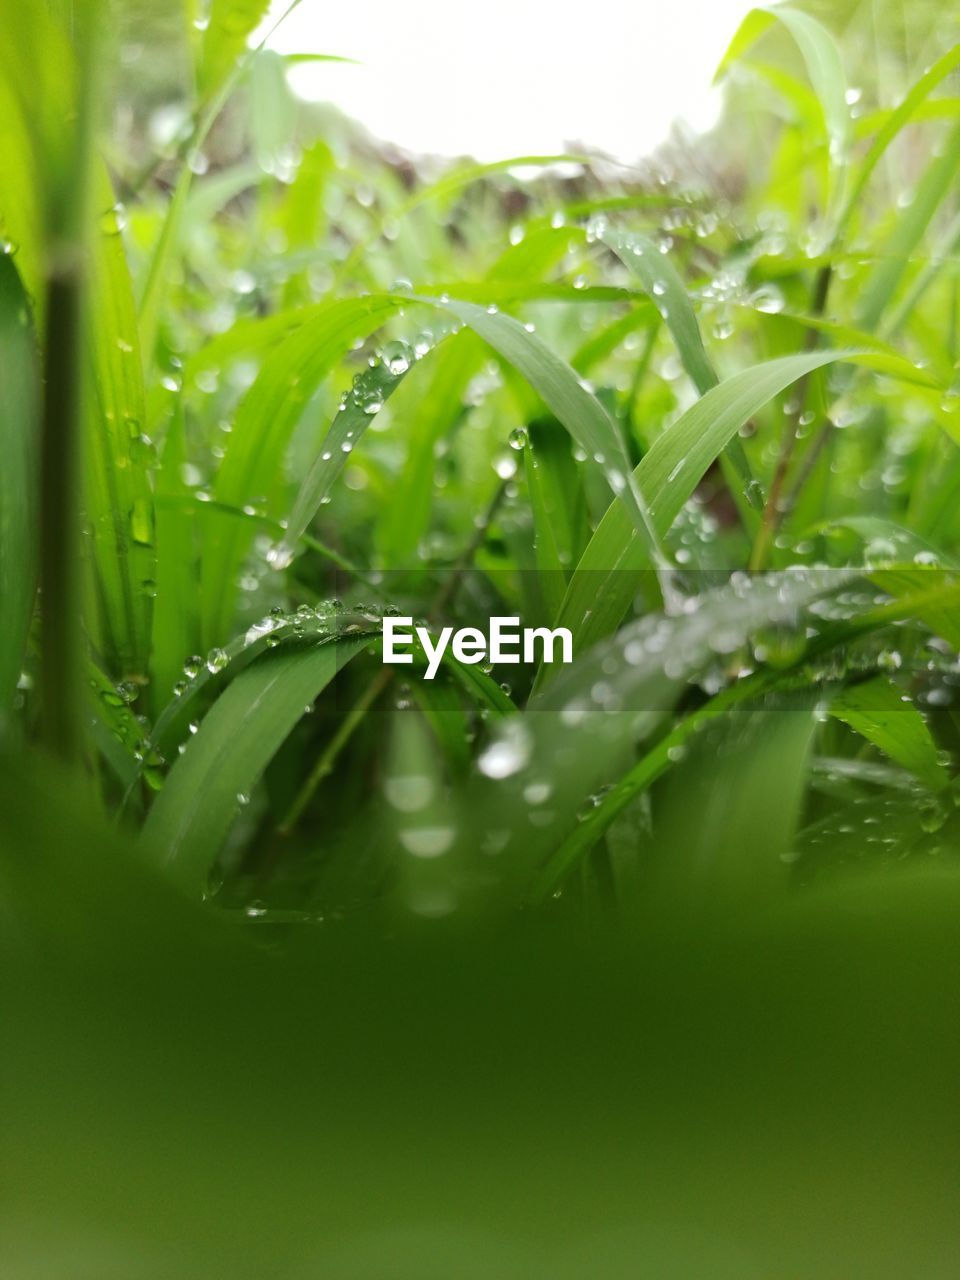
(280,556)
(508,753)
(398,357)
(216,661)
(517,438)
(408,793)
(114,220)
(537,792)
(933,816)
(768,300)
(427,842)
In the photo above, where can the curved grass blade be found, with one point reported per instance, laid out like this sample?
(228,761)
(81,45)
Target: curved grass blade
(265,420)
(611,568)
(222,763)
(662,283)
(571,403)
(905,543)
(821,57)
(370,392)
(551,377)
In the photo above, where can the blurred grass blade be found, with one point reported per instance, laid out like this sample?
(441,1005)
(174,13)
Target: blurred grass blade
(18,477)
(223,761)
(876,709)
(937,182)
(930,594)
(225,59)
(575,731)
(822,59)
(895,122)
(229,24)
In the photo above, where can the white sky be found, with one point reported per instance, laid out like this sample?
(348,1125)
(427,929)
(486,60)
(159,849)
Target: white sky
(495,78)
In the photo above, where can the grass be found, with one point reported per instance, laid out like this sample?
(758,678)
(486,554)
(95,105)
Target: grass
(261,384)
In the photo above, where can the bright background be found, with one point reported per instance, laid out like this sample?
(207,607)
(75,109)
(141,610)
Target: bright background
(511,77)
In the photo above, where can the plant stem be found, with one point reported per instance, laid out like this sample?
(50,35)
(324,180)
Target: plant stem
(449,589)
(68,233)
(59,475)
(328,758)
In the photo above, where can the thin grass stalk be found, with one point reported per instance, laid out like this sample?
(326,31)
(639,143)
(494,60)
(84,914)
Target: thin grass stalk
(61,419)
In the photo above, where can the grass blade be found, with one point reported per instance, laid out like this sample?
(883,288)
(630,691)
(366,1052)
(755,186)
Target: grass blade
(607,577)
(894,123)
(18,477)
(224,760)
(265,420)
(661,280)
(877,711)
(934,186)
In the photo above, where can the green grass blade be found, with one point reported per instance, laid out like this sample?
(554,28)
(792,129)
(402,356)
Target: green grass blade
(894,123)
(611,567)
(176,615)
(265,421)
(558,505)
(564,394)
(662,282)
(574,732)
(938,180)
(877,711)
(370,392)
(18,477)
(822,59)
(119,497)
(225,759)
(427,410)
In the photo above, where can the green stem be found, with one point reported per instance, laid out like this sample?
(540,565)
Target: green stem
(59,533)
(328,759)
(68,232)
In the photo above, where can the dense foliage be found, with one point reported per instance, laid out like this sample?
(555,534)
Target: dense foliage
(264,382)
